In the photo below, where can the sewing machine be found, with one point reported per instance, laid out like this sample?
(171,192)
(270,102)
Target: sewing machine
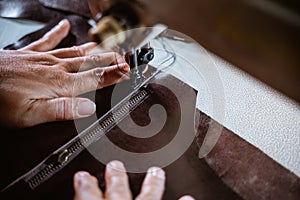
(241,33)
(260,38)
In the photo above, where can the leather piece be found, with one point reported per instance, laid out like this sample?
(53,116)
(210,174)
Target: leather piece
(28,9)
(35,11)
(200,180)
(246,169)
(31,37)
(32,145)
(27,147)
(78,34)
(43,10)
(79,7)
(233,163)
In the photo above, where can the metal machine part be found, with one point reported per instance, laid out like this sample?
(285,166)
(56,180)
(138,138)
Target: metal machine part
(112,17)
(138,61)
(260,37)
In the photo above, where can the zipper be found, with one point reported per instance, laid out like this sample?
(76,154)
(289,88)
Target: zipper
(61,157)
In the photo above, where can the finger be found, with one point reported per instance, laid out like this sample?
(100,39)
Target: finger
(117,186)
(52,38)
(153,184)
(98,78)
(86,187)
(186,197)
(76,51)
(91,61)
(57,109)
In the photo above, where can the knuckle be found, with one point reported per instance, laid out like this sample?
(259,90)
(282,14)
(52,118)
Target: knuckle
(94,59)
(112,58)
(61,66)
(78,51)
(114,55)
(99,76)
(78,83)
(65,64)
(70,65)
(67,84)
(49,60)
(60,80)
(63,109)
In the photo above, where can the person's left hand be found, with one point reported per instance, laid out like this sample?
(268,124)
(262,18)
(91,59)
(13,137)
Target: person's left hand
(40,85)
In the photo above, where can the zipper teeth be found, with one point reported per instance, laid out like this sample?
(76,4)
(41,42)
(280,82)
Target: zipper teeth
(86,139)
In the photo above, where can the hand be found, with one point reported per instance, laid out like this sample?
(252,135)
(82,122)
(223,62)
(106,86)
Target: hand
(40,85)
(117,186)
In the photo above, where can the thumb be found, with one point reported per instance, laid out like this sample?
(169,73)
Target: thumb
(63,108)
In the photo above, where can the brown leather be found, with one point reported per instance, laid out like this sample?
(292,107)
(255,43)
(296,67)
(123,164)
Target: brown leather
(247,170)
(42,10)
(50,13)
(78,7)
(199,179)
(233,169)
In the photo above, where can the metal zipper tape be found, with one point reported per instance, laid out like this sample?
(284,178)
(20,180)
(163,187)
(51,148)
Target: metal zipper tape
(62,156)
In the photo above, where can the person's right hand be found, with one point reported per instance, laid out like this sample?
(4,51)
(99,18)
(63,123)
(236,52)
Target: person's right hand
(40,85)
(117,186)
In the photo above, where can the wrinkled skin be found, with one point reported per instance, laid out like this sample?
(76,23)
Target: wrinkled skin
(40,85)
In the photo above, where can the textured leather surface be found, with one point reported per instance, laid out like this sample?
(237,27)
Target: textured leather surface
(248,171)
(234,168)
(199,180)
(244,168)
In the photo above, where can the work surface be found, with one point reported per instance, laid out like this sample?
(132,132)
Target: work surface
(252,110)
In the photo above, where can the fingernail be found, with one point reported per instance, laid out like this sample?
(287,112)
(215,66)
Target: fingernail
(123,67)
(187,197)
(116,165)
(122,64)
(86,108)
(62,23)
(156,171)
(81,175)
